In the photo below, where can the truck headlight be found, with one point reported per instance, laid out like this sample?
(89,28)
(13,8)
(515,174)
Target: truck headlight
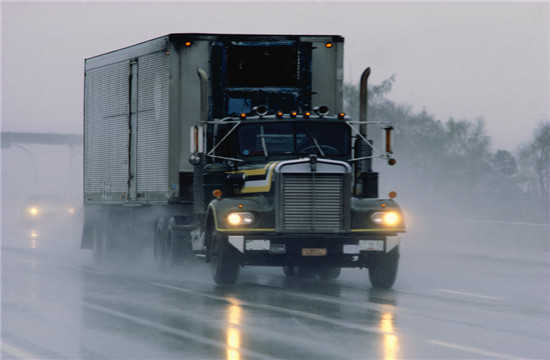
(385,218)
(33,211)
(240,218)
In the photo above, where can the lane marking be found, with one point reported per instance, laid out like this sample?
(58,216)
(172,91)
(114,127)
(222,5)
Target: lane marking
(484,221)
(463,293)
(472,350)
(16,353)
(303,314)
(174,331)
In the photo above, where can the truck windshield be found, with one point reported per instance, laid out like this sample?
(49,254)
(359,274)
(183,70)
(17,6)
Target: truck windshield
(324,139)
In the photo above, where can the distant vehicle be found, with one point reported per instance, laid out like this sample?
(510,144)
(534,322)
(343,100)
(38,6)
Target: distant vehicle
(44,209)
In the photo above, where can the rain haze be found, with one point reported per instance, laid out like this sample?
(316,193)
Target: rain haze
(466,87)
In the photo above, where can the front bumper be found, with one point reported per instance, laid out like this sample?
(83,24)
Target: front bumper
(334,250)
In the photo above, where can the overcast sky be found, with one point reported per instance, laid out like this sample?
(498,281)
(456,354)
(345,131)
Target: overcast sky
(461,60)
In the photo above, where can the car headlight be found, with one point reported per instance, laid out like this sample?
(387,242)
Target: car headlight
(385,218)
(240,218)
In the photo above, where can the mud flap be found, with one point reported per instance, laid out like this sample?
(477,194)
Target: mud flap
(237,241)
(392,242)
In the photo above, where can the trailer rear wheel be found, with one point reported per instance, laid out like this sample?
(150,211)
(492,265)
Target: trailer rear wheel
(225,260)
(383,270)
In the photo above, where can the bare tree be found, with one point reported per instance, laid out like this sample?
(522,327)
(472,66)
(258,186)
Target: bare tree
(535,165)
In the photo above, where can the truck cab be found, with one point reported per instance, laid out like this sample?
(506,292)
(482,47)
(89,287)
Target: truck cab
(283,195)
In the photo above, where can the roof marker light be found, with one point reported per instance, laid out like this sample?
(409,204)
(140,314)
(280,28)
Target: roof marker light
(341,116)
(279,114)
(329,45)
(307,114)
(242,116)
(188,43)
(293,114)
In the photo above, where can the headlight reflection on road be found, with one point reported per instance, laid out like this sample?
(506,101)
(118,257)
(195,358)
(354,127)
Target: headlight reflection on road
(233,333)
(391,343)
(34,236)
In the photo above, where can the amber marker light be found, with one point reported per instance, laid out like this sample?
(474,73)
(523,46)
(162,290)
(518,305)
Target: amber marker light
(217,193)
(188,43)
(329,45)
(242,116)
(392,194)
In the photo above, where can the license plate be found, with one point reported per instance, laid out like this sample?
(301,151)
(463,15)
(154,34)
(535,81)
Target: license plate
(314,252)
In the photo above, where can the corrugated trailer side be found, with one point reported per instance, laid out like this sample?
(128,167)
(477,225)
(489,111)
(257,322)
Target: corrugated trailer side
(127,125)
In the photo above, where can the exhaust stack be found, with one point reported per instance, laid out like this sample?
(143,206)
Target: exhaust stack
(366,184)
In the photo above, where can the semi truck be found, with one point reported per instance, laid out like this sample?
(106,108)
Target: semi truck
(234,148)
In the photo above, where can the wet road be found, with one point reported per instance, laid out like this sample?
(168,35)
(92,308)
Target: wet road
(462,292)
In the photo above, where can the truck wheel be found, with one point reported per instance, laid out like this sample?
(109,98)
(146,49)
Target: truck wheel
(328,273)
(225,260)
(301,272)
(383,269)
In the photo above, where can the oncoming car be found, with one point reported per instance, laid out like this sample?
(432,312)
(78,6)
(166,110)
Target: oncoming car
(44,209)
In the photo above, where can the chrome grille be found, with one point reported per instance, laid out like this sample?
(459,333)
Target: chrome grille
(313,202)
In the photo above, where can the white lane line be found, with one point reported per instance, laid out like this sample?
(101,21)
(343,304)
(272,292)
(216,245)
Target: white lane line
(468,294)
(15,353)
(472,350)
(174,331)
(299,313)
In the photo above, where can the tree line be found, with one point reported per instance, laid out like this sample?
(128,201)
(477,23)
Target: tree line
(449,166)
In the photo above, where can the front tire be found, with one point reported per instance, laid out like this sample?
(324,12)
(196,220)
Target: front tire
(383,270)
(225,260)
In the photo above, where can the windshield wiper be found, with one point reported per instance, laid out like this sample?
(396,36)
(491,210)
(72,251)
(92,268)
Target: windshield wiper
(316,144)
(264,146)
